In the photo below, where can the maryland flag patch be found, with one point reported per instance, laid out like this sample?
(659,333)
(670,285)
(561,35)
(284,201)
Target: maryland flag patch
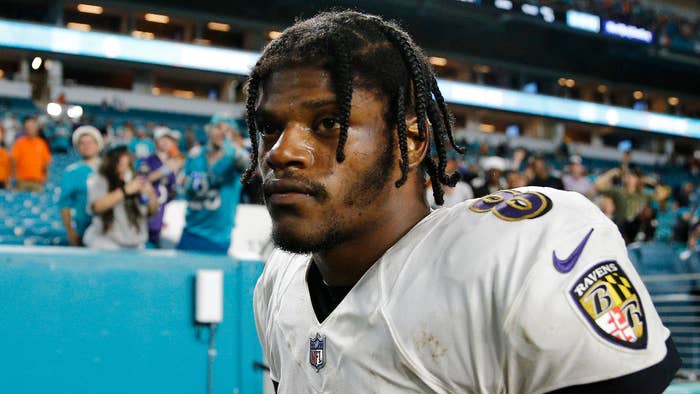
(611,305)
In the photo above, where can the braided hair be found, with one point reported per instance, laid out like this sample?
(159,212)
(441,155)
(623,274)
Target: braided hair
(365,51)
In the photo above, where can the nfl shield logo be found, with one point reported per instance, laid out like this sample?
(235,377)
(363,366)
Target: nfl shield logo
(317,352)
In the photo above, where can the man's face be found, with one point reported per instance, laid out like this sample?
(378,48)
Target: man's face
(87,146)
(316,202)
(31,127)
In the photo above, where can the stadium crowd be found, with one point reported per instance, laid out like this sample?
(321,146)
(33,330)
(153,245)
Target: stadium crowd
(115,195)
(671,29)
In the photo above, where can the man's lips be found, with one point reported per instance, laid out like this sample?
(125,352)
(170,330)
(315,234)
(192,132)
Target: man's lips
(280,191)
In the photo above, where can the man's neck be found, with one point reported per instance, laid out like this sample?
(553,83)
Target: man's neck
(345,264)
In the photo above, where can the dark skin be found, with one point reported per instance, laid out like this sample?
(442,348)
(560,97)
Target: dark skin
(310,195)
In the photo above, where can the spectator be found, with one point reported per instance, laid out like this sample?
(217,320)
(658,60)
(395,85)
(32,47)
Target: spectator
(577,180)
(630,199)
(30,158)
(666,214)
(606,205)
(685,195)
(162,168)
(59,137)
(213,191)
(88,141)
(492,182)
(453,195)
(120,203)
(4,163)
(516,179)
(142,145)
(542,177)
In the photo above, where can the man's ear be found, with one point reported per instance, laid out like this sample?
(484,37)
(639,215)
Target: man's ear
(417,146)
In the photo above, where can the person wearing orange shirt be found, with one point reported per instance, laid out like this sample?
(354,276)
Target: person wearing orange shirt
(30,158)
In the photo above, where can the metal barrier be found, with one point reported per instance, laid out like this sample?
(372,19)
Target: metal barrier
(677,299)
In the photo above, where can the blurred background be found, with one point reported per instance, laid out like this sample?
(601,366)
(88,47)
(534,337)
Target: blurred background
(601,97)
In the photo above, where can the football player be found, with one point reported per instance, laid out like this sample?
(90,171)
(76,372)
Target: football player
(522,291)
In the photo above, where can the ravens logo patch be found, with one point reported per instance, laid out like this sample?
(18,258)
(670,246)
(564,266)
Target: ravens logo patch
(611,305)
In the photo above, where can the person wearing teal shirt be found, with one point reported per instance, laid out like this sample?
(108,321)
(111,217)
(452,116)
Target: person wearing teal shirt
(213,191)
(142,145)
(88,141)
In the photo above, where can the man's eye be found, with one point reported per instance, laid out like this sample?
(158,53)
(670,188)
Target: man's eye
(328,124)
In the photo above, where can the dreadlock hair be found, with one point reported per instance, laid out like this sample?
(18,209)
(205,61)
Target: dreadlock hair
(364,50)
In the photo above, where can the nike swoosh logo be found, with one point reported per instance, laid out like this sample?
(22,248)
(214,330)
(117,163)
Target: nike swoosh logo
(568,263)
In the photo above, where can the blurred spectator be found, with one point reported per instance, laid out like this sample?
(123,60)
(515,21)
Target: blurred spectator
(577,180)
(491,182)
(630,199)
(73,202)
(453,195)
(59,137)
(162,169)
(142,145)
(541,175)
(666,214)
(30,158)
(516,179)
(213,191)
(685,195)
(4,163)
(606,205)
(11,126)
(682,228)
(120,203)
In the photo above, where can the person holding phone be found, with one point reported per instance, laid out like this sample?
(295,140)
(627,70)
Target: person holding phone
(120,203)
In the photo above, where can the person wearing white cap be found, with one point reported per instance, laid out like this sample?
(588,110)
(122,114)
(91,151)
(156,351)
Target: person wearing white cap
(492,181)
(88,141)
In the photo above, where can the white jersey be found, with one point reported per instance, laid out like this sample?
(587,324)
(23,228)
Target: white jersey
(522,291)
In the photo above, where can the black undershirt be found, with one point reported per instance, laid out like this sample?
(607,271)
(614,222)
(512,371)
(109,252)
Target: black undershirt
(324,298)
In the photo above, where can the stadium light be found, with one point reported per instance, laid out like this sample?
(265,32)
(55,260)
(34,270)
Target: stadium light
(155,90)
(484,69)
(561,81)
(74,111)
(438,61)
(638,95)
(143,34)
(54,109)
(2,73)
(673,101)
(90,9)
(570,83)
(78,26)
(273,34)
(157,18)
(36,63)
(504,4)
(188,94)
(218,26)
(202,41)
(487,128)
(602,89)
